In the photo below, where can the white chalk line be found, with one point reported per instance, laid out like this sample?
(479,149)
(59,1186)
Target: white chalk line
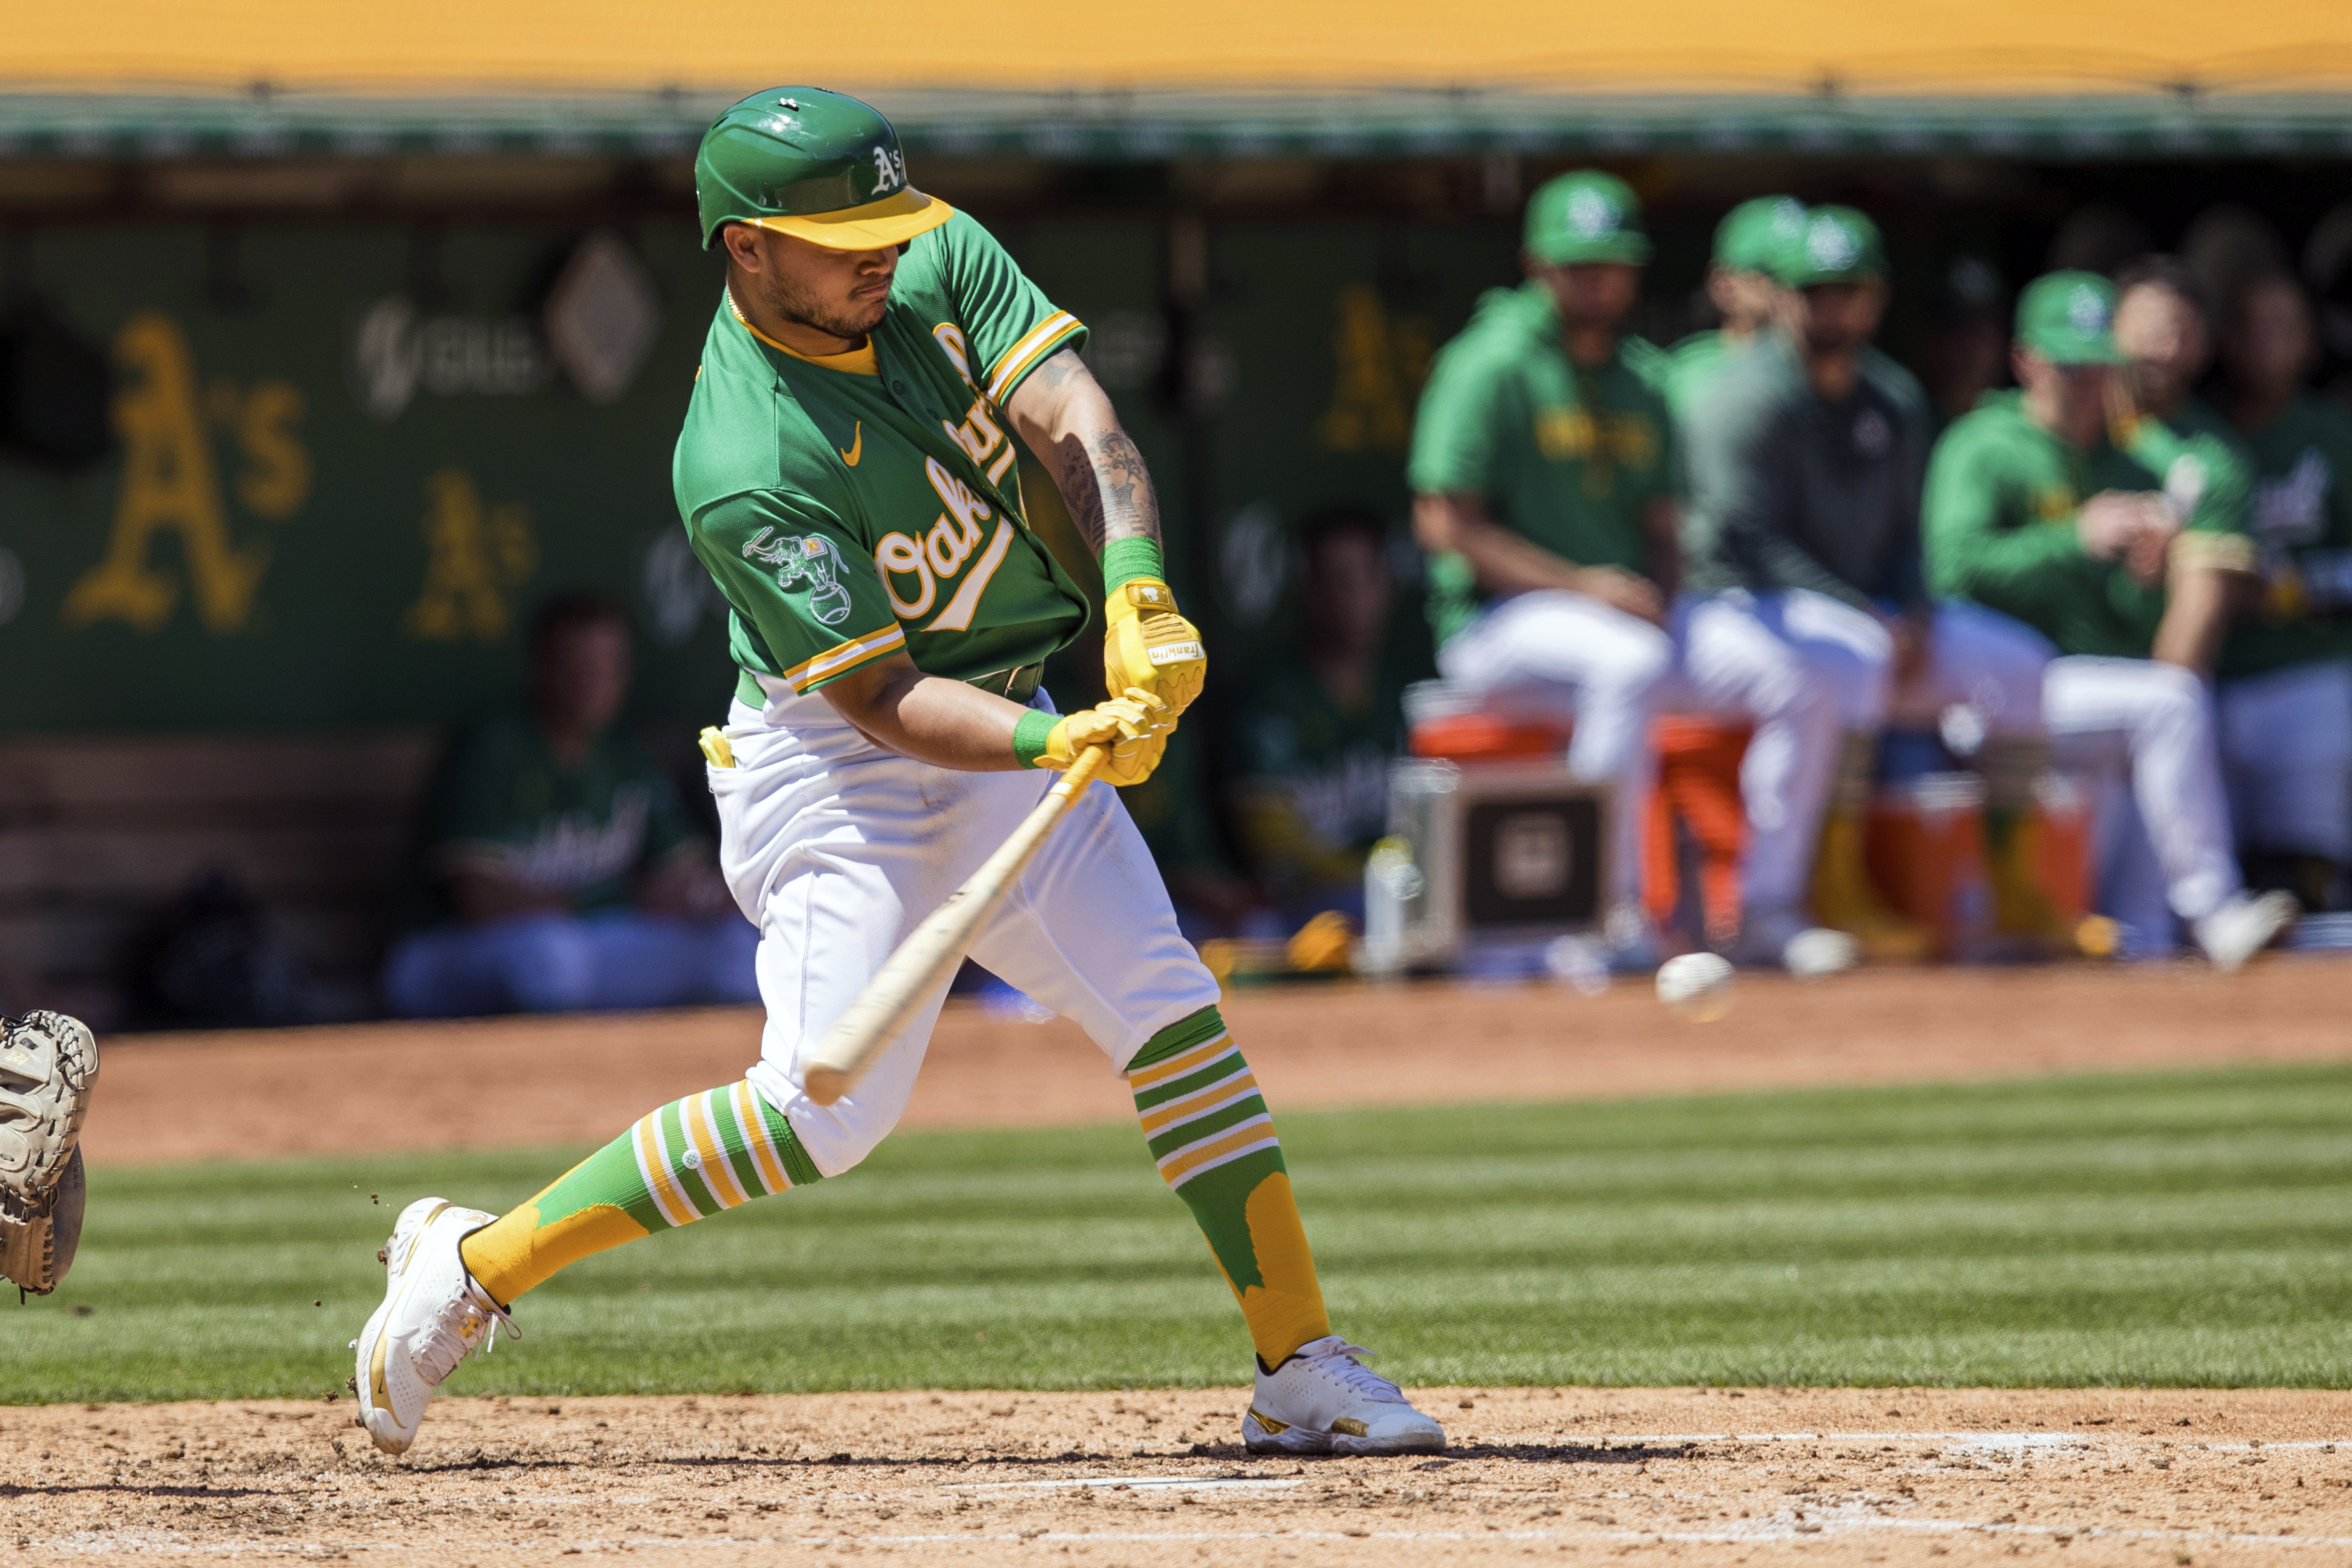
(1969,1439)
(1141,1483)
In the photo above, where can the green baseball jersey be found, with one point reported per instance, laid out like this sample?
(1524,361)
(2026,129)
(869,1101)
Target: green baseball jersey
(2000,511)
(855,507)
(1791,490)
(1568,455)
(1327,764)
(501,801)
(2302,523)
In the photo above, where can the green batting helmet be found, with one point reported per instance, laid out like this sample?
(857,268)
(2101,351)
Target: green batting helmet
(818,164)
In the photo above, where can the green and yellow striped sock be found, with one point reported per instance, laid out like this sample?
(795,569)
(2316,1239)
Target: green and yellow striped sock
(1210,1130)
(687,1160)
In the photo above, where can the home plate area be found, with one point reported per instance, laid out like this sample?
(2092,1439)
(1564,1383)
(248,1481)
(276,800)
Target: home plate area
(2161,1477)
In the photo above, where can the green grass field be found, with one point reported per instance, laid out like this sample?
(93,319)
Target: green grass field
(2170,1229)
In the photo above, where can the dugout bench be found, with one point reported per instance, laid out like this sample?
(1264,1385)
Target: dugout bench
(96,834)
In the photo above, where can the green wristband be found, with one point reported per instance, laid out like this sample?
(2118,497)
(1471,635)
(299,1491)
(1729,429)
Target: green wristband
(1123,559)
(1030,735)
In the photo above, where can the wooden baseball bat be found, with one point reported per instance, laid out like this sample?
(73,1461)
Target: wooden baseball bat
(933,949)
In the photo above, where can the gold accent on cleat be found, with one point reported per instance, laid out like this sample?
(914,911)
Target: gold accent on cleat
(1351,1426)
(1272,1425)
(375,1375)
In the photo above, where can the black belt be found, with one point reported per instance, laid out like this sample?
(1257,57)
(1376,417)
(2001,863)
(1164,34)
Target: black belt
(1019,683)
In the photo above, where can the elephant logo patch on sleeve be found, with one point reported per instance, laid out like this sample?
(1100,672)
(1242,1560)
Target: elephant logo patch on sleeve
(808,562)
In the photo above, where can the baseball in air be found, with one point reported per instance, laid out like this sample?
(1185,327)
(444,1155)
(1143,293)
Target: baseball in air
(1696,986)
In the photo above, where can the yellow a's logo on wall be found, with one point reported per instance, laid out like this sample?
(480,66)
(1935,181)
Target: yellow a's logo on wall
(171,486)
(474,556)
(1379,362)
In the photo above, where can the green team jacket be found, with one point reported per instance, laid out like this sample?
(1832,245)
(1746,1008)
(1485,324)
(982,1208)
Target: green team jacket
(868,504)
(1998,519)
(2302,522)
(1569,456)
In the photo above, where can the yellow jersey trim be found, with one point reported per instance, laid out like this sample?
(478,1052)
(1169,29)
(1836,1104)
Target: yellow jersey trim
(1035,345)
(810,674)
(859,361)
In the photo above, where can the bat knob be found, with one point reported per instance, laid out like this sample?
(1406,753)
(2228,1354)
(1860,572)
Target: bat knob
(825,1084)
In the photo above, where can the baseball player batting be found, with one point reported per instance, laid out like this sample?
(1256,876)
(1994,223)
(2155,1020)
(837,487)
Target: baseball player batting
(847,474)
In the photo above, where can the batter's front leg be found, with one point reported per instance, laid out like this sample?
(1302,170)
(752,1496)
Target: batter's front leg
(1089,932)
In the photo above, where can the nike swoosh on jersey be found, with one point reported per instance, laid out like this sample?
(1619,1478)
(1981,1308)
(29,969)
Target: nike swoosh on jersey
(856,446)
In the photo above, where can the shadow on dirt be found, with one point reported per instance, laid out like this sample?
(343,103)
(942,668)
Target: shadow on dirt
(1221,1453)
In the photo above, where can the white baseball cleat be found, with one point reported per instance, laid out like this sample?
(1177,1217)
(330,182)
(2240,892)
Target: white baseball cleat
(433,1317)
(2243,926)
(1323,1400)
(1785,939)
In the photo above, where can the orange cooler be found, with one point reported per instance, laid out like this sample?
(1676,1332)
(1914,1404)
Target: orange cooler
(2067,851)
(1926,855)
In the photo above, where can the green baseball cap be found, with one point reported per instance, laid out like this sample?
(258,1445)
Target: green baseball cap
(1838,245)
(821,165)
(2069,319)
(1586,216)
(1753,233)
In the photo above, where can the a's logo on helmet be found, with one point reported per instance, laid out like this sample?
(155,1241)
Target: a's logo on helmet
(1590,214)
(1831,247)
(2085,311)
(889,171)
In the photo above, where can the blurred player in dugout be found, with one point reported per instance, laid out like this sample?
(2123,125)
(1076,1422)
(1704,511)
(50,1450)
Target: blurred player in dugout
(1312,739)
(2105,506)
(1545,486)
(557,870)
(2285,669)
(1807,452)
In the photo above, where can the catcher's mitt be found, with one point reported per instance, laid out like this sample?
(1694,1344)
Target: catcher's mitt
(48,1063)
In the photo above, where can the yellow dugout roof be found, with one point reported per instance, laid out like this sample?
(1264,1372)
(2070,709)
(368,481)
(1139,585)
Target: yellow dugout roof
(1223,75)
(1784,45)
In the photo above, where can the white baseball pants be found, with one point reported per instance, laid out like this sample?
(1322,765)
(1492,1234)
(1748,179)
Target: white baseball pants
(2286,757)
(835,848)
(1562,656)
(2146,727)
(1977,657)
(1804,668)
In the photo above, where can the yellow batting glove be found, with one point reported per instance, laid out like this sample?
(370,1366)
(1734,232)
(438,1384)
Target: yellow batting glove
(1135,727)
(1148,646)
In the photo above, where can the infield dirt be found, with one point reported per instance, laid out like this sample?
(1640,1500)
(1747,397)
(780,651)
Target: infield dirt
(1824,1477)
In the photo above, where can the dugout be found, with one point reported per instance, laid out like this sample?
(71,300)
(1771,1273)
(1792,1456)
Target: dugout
(331,340)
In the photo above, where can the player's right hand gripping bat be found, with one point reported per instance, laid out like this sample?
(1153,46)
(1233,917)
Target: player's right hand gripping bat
(933,949)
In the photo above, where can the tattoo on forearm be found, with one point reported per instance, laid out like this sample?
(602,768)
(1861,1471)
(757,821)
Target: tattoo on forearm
(1095,464)
(1108,491)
